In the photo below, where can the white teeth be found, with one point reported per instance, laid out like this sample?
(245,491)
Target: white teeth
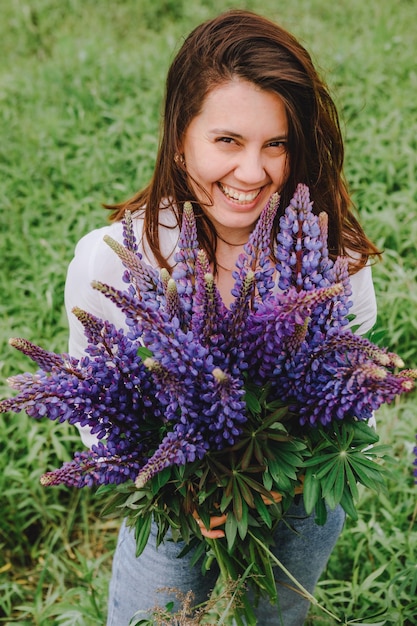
(238,195)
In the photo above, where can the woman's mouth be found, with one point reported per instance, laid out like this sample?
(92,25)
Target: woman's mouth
(239,196)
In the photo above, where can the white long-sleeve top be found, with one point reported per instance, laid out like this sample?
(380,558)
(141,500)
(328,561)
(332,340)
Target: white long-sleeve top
(95,260)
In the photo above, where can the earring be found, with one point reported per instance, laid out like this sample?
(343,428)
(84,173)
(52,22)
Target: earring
(179,158)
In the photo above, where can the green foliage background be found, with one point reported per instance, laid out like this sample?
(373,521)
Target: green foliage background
(81,83)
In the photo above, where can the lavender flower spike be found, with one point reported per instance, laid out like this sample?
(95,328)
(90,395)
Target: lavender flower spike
(172,451)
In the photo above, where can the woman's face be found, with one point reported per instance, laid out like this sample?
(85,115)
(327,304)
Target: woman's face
(236,150)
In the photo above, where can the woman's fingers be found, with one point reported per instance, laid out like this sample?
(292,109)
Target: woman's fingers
(275,497)
(216,520)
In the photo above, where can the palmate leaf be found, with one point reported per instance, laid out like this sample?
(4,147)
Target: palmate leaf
(338,462)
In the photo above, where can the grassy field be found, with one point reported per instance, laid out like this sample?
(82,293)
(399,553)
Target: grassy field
(81,83)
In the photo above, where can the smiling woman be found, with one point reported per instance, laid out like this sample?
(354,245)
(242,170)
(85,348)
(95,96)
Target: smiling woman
(246,116)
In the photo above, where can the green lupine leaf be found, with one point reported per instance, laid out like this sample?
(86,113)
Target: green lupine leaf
(144,353)
(317,460)
(160,479)
(242,524)
(274,417)
(247,455)
(252,403)
(263,511)
(230,529)
(364,433)
(237,502)
(225,501)
(267,480)
(334,495)
(311,491)
(321,512)
(374,482)
(348,505)
(246,491)
(350,477)
(142,532)
(327,467)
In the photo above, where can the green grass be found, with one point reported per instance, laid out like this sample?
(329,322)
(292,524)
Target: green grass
(81,83)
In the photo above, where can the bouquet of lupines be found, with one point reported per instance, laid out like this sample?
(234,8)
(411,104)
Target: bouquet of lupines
(202,410)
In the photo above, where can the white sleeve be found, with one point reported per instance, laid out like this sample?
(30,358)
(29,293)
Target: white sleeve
(363,299)
(93,260)
(364,306)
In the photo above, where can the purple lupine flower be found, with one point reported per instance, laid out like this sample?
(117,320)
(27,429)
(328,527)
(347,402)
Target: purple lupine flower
(171,451)
(339,379)
(299,250)
(143,277)
(257,256)
(98,466)
(184,395)
(278,329)
(209,311)
(185,259)
(45,359)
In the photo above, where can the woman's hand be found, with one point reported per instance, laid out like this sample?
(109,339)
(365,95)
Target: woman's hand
(216,520)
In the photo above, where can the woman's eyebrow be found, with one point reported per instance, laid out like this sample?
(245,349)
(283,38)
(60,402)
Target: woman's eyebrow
(231,133)
(224,131)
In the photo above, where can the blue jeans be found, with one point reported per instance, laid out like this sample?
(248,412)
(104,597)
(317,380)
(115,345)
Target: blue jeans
(304,553)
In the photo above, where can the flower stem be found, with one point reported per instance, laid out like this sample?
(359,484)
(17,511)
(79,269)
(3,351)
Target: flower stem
(302,589)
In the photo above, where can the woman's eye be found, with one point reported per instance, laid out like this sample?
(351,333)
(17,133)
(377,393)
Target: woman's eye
(225,139)
(277,144)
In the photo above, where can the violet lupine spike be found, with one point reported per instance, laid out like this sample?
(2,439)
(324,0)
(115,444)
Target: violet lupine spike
(409,374)
(257,256)
(45,359)
(94,327)
(129,303)
(129,237)
(278,328)
(144,277)
(341,305)
(27,385)
(185,258)
(166,388)
(100,334)
(172,302)
(338,383)
(172,451)
(299,244)
(236,321)
(22,382)
(351,342)
(326,263)
(164,277)
(209,310)
(91,468)
(332,314)
(227,406)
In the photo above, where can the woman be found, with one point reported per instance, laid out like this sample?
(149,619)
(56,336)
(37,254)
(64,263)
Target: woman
(246,115)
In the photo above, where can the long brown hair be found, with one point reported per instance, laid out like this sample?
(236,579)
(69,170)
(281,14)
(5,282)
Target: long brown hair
(244,45)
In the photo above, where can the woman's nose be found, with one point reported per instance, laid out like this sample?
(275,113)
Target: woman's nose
(250,167)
